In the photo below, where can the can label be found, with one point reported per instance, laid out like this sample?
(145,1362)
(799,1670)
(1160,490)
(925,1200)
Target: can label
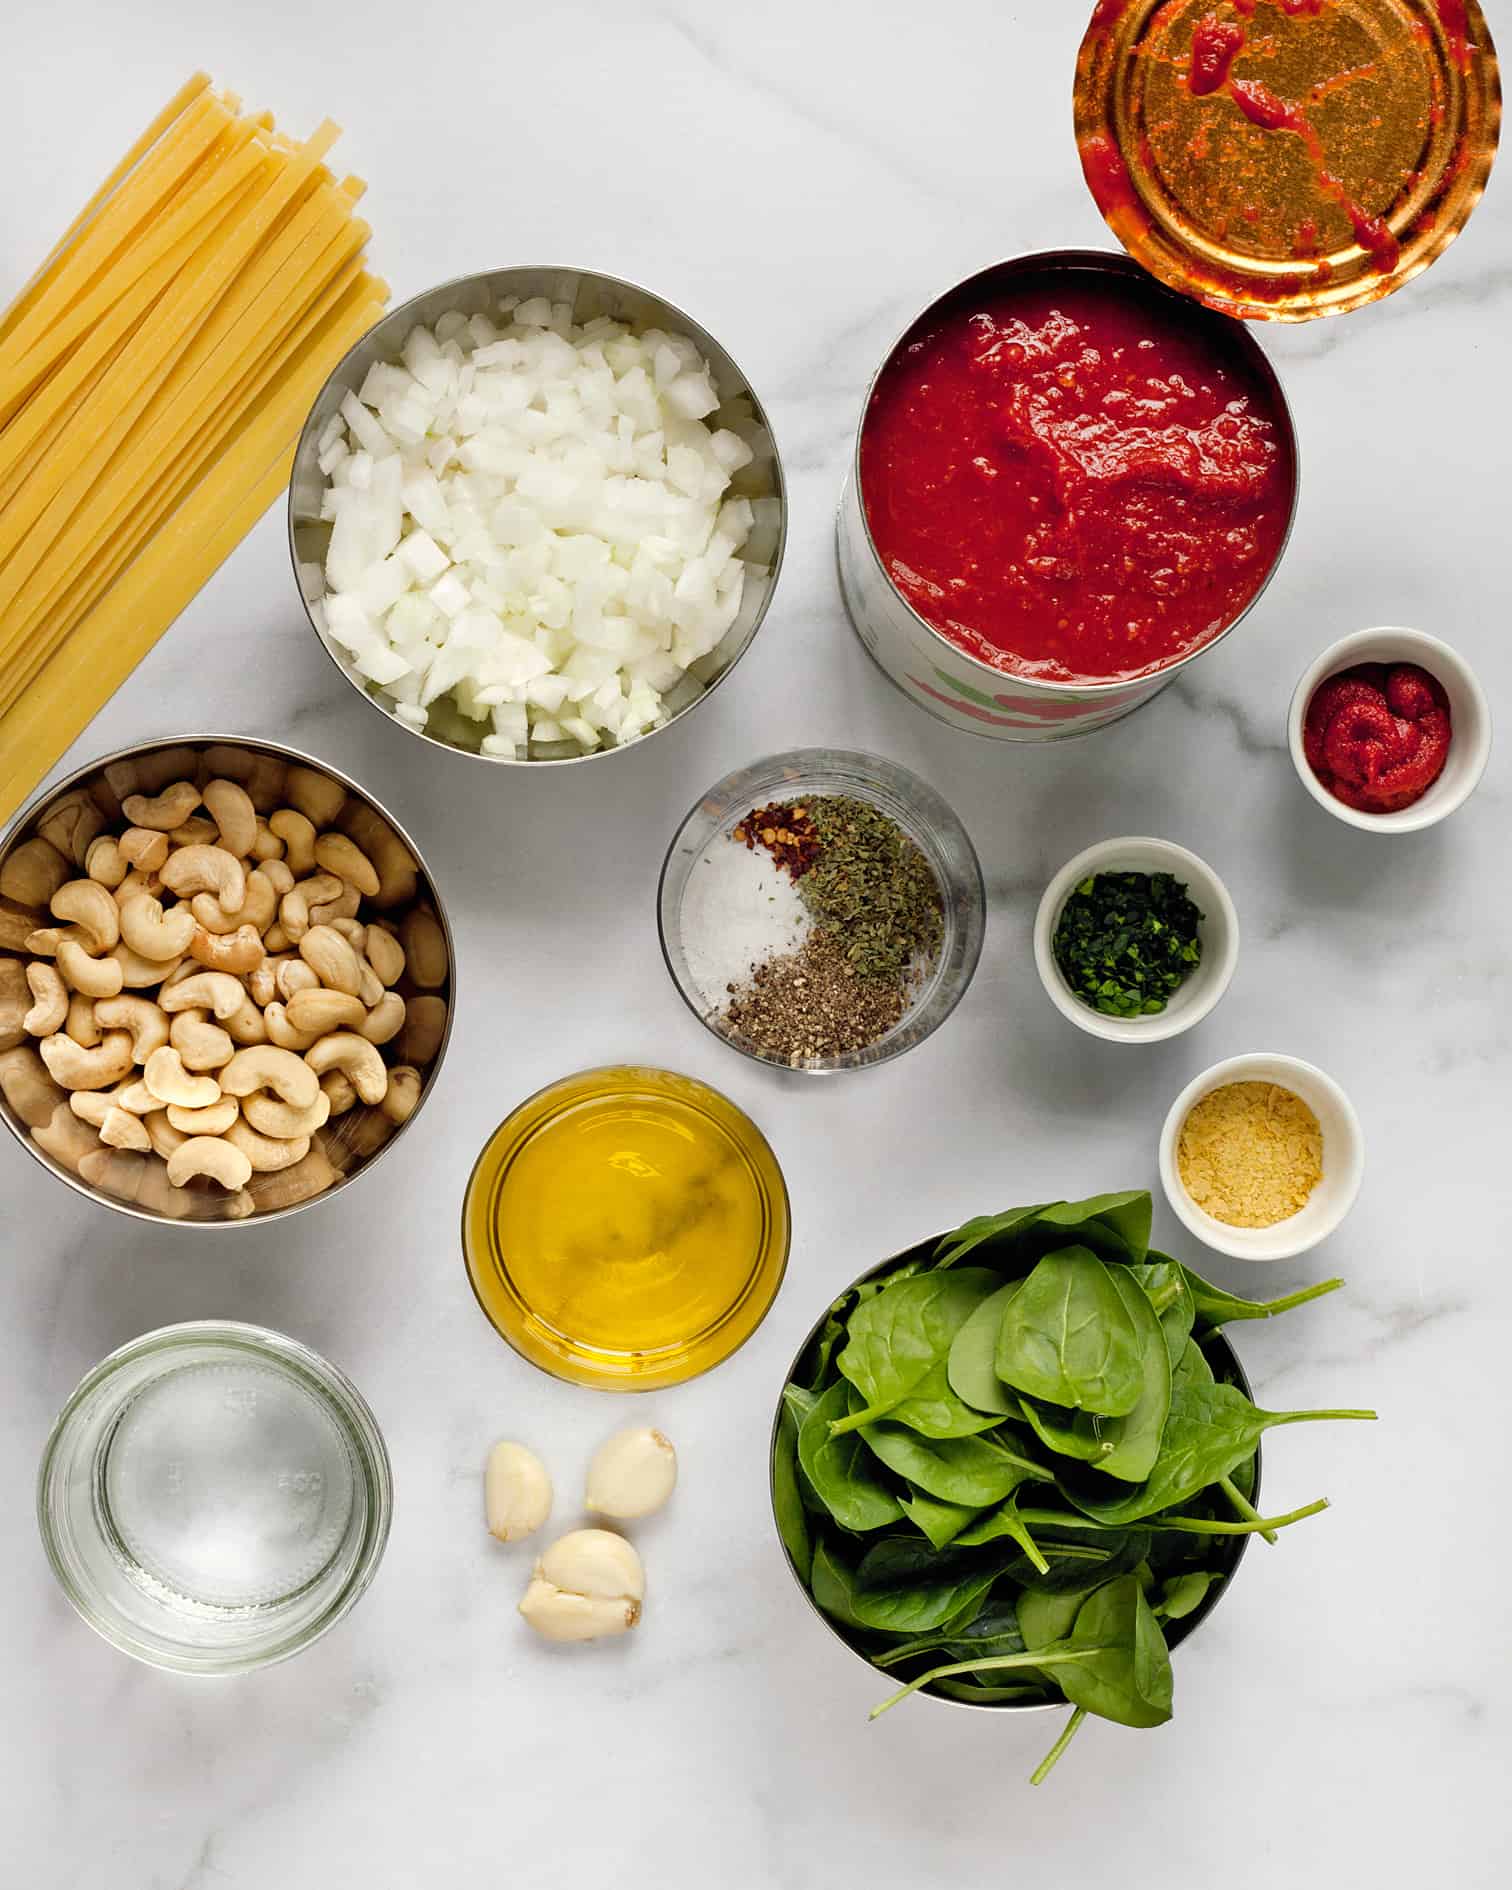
(950,685)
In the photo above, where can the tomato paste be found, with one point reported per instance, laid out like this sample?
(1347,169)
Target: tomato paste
(1073,476)
(1377,736)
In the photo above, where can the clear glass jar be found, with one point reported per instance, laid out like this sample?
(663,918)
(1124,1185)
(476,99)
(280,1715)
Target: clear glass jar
(214,1497)
(915,807)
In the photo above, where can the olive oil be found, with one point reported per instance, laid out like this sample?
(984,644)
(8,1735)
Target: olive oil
(626,1227)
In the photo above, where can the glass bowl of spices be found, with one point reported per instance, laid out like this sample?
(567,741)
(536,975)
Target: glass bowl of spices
(821,910)
(1136,940)
(1262,1156)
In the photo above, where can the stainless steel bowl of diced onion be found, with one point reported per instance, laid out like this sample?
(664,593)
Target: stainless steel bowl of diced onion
(537,514)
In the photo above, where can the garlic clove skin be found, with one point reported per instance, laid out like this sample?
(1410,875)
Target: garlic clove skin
(516,1492)
(557,1615)
(596,1563)
(632,1474)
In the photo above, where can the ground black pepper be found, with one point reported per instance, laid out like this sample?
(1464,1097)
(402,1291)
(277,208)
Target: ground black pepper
(813,1004)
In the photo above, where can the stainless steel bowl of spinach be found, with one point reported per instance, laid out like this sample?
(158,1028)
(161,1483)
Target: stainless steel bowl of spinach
(1015,1465)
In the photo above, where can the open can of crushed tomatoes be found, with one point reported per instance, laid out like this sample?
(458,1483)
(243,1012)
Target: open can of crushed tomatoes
(1068,483)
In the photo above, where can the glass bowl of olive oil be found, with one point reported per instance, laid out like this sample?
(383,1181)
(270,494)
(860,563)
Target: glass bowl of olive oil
(626,1228)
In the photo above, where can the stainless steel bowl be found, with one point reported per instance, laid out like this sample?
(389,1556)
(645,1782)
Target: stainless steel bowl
(345,1141)
(591,294)
(1226,1366)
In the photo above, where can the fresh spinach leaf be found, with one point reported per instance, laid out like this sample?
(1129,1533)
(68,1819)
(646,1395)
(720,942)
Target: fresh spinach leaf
(973,1471)
(787,1498)
(1183,1594)
(971,1367)
(896,1340)
(842,1471)
(1078,1434)
(1115,1224)
(1128,1677)
(1136,1438)
(941,1522)
(1005,1520)
(832,1582)
(1165,1281)
(933,1409)
(1210,1431)
(904,1586)
(993,1228)
(1068,1338)
(1215,1306)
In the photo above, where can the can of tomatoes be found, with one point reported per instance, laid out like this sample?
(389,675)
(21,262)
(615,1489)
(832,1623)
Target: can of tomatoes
(1068,483)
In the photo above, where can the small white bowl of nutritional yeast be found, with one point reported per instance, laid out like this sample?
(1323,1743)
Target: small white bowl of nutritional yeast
(1343,1159)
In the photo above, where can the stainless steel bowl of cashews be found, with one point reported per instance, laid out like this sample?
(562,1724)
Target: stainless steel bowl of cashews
(225,980)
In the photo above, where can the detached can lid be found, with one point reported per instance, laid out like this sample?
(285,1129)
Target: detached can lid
(1281,159)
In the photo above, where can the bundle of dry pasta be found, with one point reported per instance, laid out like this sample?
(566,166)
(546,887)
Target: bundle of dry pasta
(154,376)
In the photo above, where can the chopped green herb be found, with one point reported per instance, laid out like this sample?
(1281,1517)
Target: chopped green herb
(1125,941)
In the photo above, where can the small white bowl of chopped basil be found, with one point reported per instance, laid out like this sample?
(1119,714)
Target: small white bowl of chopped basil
(1136,940)
(1262,1156)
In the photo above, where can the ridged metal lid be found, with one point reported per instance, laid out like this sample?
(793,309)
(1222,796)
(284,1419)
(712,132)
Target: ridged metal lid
(1281,159)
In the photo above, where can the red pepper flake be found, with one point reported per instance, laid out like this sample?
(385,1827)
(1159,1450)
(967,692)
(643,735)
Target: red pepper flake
(786,830)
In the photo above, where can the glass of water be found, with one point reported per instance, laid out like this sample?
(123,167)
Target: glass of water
(213,1497)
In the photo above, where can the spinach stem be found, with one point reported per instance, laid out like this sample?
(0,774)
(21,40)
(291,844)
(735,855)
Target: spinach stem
(1200,1526)
(1308,1417)
(1243,1506)
(994,1665)
(1267,1309)
(1046,1765)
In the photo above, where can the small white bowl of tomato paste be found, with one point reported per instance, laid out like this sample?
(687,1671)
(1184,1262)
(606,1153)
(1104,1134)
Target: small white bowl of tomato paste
(1390,730)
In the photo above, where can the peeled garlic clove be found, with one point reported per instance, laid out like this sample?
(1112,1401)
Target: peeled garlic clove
(516,1492)
(632,1474)
(557,1615)
(594,1562)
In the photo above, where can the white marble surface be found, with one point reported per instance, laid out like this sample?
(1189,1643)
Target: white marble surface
(802,177)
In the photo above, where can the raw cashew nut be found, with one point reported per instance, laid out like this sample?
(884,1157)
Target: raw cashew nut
(246,1024)
(95,977)
(209,1155)
(385,1020)
(147,1022)
(72,823)
(315,795)
(74,1067)
(141,1179)
(196,831)
(587,1584)
(137,972)
(424,948)
(336,1087)
(214,991)
(105,863)
(214,1119)
(201,1045)
(33,872)
(335,853)
(385,954)
(262,981)
(267,1154)
(397,876)
(352,930)
(16,1001)
(632,1473)
(94,1105)
(294,909)
(165,811)
(298,836)
(231,809)
(321,1011)
(424,1027)
(346,905)
(256,910)
(295,975)
(302,1182)
(162,1134)
(44,942)
(402,1097)
(281,1032)
(119,1129)
(281,1121)
(66,1139)
(88,905)
(355,1055)
(152,933)
(516,1492)
(137,882)
(265,1066)
(195,869)
(81,1023)
(144,849)
(49,1009)
(362,1133)
(266,844)
(16,928)
(238,952)
(278,876)
(27,1087)
(137,1098)
(165,1075)
(332,959)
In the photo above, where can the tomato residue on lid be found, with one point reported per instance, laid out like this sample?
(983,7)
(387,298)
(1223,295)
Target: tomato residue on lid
(1377,736)
(1074,476)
